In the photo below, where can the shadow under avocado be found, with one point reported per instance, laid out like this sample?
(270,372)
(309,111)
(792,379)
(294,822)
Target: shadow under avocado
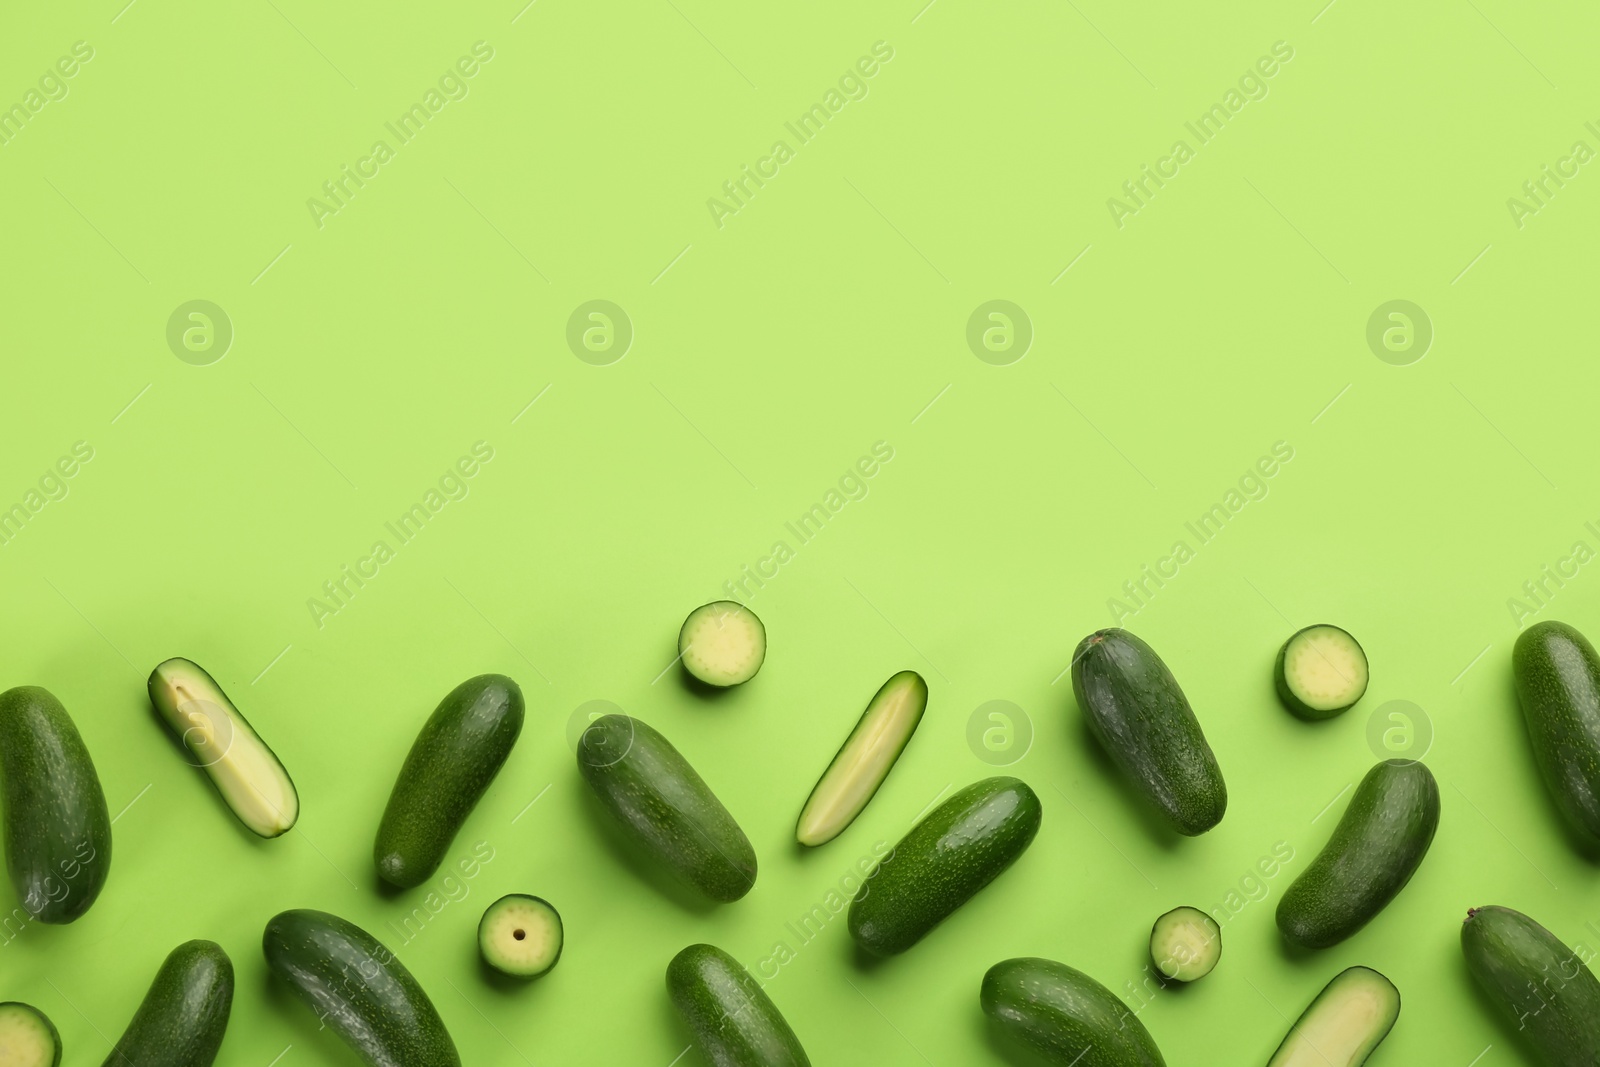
(704,690)
(643,866)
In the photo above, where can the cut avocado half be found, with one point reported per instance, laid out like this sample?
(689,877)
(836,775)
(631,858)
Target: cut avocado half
(221,742)
(520,935)
(865,759)
(1185,944)
(1321,671)
(1350,1017)
(722,643)
(27,1037)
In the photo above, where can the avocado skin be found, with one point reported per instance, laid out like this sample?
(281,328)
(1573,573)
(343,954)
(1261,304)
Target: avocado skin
(963,845)
(1378,845)
(358,989)
(56,828)
(1136,710)
(734,1022)
(1558,686)
(664,807)
(1065,1016)
(456,755)
(184,1016)
(1539,984)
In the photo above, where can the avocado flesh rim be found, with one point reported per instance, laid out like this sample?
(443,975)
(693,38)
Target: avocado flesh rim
(245,771)
(1344,1024)
(855,774)
(26,1039)
(1326,669)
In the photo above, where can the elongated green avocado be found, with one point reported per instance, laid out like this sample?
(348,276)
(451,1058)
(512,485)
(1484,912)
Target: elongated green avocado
(1539,984)
(667,809)
(1065,1016)
(1140,716)
(733,1021)
(457,754)
(1558,685)
(184,1015)
(57,830)
(1376,848)
(221,741)
(963,845)
(358,989)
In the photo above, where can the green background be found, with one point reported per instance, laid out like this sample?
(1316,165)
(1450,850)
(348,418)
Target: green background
(830,312)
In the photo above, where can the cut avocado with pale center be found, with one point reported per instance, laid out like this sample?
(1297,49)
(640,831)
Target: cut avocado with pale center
(1185,944)
(1350,1017)
(520,936)
(27,1037)
(1321,671)
(722,643)
(221,742)
(865,759)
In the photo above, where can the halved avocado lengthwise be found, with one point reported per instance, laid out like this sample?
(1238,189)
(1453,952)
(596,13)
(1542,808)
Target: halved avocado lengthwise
(27,1037)
(456,755)
(865,759)
(733,1021)
(56,827)
(1376,848)
(1558,684)
(1137,712)
(963,845)
(358,989)
(665,808)
(1540,985)
(1065,1016)
(1350,1017)
(184,1016)
(221,741)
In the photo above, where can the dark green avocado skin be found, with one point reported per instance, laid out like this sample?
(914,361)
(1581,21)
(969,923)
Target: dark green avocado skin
(1378,845)
(1539,984)
(184,1016)
(1558,685)
(667,809)
(734,1022)
(1065,1016)
(456,755)
(963,845)
(1138,713)
(358,989)
(56,828)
